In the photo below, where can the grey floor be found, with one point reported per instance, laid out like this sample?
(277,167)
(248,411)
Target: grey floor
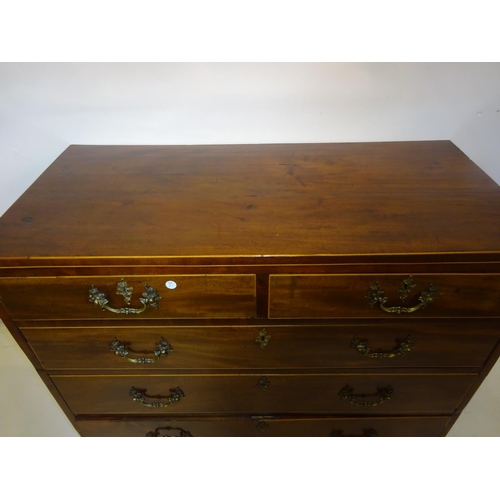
(28,409)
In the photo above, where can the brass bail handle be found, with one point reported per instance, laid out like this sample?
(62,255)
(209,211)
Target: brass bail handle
(139,395)
(375,295)
(150,297)
(163,348)
(382,395)
(402,348)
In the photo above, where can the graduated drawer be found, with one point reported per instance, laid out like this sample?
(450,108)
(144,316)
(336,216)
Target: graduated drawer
(266,427)
(348,296)
(189,296)
(259,347)
(250,394)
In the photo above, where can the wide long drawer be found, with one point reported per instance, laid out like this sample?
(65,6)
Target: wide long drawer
(262,347)
(242,394)
(265,427)
(380,296)
(185,296)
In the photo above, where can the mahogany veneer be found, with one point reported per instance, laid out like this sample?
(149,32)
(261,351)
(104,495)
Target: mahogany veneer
(257,290)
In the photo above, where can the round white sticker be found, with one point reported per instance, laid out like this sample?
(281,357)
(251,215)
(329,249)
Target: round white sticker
(171,285)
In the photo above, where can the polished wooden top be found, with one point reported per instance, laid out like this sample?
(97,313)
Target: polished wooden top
(256,200)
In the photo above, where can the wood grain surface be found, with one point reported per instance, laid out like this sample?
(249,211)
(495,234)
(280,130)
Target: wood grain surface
(383,427)
(242,393)
(278,242)
(256,200)
(330,296)
(236,348)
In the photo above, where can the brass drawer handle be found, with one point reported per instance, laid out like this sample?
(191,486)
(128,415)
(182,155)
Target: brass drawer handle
(375,295)
(402,349)
(162,350)
(383,395)
(150,297)
(366,433)
(158,432)
(139,395)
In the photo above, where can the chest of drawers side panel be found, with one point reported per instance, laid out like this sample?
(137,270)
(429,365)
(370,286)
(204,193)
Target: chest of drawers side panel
(33,359)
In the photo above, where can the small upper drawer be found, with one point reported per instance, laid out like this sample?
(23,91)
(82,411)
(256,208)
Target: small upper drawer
(180,296)
(384,296)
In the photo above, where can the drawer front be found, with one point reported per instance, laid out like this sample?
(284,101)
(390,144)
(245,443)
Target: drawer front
(349,296)
(186,296)
(262,427)
(265,347)
(263,394)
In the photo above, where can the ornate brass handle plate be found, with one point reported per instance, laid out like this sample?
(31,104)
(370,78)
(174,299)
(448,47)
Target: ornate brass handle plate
(401,349)
(366,433)
(162,350)
(263,338)
(375,295)
(382,395)
(150,297)
(139,395)
(159,432)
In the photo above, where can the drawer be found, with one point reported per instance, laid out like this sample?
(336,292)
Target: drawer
(186,296)
(262,347)
(266,394)
(349,296)
(262,427)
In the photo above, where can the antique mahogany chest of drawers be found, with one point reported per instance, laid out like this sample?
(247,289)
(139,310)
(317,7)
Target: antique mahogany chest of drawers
(257,290)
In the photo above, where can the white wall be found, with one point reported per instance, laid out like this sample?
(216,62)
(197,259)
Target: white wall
(46,107)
